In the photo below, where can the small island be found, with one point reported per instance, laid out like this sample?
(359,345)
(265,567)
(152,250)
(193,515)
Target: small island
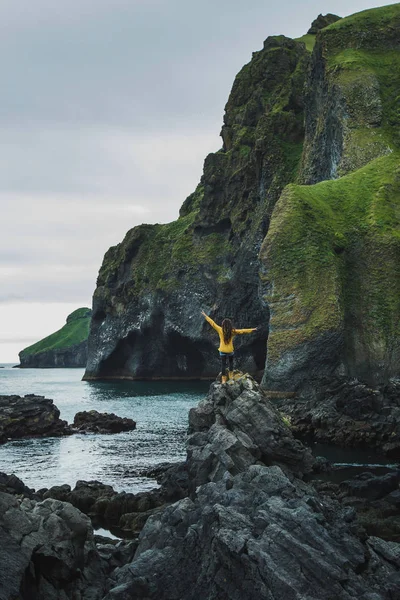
(64,348)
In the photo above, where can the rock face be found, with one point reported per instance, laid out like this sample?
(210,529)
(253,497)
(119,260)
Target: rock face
(30,416)
(150,290)
(349,414)
(331,256)
(321,22)
(64,348)
(48,552)
(93,421)
(250,530)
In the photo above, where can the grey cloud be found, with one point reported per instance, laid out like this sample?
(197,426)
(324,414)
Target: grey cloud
(22,341)
(108,108)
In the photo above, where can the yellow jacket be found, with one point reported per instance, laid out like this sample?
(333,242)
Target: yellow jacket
(223,347)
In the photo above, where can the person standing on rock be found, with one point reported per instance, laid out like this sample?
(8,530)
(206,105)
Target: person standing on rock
(226,333)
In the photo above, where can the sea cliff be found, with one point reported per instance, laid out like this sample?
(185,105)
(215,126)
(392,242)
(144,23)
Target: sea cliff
(64,348)
(294,226)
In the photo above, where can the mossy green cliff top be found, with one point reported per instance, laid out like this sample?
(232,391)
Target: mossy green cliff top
(74,332)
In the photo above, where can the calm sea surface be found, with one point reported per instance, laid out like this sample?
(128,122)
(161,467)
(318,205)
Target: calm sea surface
(160,410)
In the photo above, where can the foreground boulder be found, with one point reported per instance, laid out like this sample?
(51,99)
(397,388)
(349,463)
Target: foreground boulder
(48,552)
(257,535)
(30,416)
(93,421)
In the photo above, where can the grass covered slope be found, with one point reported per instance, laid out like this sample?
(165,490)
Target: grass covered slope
(352,94)
(332,254)
(74,333)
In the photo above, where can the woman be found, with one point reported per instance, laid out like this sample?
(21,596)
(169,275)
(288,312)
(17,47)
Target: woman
(226,333)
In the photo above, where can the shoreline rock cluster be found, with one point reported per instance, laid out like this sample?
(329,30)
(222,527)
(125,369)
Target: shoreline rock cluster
(348,414)
(246,525)
(36,416)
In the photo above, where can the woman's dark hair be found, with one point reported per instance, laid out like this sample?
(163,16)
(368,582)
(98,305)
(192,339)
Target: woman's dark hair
(227,330)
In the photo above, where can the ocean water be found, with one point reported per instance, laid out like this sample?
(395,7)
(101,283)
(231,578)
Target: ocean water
(160,410)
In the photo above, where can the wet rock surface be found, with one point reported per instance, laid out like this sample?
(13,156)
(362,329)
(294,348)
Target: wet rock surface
(349,414)
(123,510)
(95,422)
(250,529)
(30,416)
(373,500)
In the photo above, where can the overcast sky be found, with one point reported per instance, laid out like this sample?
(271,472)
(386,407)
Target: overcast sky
(107,111)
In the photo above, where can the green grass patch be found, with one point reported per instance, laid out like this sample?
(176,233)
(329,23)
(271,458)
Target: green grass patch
(308,39)
(333,251)
(75,331)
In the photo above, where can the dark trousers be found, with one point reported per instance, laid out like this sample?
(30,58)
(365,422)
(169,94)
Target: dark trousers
(224,358)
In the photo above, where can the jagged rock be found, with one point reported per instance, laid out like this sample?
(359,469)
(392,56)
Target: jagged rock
(235,427)
(322,21)
(93,421)
(30,416)
(373,500)
(348,414)
(11,484)
(249,530)
(371,487)
(48,552)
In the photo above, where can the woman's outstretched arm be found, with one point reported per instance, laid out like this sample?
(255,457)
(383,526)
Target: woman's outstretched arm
(245,330)
(209,319)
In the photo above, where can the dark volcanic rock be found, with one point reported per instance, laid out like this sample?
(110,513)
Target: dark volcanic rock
(373,500)
(253,531)
(48,551)
(349,414)
(322,21)
(30,416)
(93,421)
(122,509)
(11,484)
(235,427)
(71,357)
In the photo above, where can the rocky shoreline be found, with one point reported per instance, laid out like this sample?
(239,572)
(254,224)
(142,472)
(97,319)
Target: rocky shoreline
(348,414)
(236,520)
(36,416)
